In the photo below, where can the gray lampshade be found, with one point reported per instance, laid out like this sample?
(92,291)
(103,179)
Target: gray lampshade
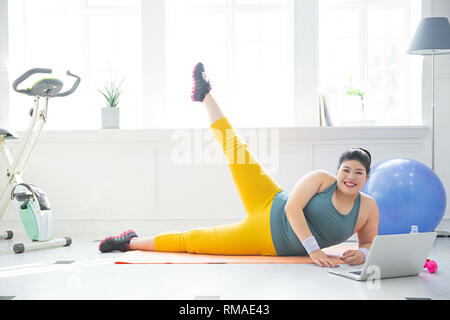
(432,35)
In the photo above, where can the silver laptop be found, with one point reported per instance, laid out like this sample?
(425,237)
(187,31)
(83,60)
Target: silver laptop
(390,256)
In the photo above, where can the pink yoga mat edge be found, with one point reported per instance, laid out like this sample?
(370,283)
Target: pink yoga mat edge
(151,257)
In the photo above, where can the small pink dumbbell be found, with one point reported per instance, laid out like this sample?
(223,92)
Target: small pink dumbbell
(431,265)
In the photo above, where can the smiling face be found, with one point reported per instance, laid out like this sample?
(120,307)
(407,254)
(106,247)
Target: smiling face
(351,177)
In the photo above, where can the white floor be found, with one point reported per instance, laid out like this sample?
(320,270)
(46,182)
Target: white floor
(81,272)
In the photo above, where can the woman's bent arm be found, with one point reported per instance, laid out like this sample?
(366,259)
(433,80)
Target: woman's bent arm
(370,229)
(302,193)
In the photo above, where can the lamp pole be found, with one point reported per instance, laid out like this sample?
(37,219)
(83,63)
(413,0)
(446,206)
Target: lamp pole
(432,37)
(432,109)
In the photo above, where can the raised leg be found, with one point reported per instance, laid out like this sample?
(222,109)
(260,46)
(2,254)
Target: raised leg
(213,109)
(255,185)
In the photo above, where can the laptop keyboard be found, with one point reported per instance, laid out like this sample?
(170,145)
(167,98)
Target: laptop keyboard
(356,272)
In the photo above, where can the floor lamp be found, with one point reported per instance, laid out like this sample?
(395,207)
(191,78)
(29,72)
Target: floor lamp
(432,37)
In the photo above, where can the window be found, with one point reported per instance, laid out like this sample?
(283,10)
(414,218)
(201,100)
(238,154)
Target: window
(362,45)
(95,39)
(245,46)
(253,52)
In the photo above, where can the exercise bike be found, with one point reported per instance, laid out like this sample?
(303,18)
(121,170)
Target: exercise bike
(32,205)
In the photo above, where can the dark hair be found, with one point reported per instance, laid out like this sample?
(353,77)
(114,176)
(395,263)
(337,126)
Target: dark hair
(359,154)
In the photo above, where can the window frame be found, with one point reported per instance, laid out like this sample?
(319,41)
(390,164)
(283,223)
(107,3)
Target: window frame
(159,81)
(83,12)
(363,7)
(153,16)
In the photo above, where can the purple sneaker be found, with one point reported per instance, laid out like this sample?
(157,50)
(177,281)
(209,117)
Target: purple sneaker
(202,86)
(119,243)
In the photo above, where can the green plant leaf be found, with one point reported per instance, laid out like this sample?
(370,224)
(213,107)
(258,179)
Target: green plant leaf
(112,92)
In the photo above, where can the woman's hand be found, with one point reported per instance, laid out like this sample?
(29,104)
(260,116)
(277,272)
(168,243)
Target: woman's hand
(322,260)
(353,257)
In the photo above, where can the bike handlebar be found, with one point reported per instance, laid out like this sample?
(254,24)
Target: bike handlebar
(25,76)
(30,72)
(74,87)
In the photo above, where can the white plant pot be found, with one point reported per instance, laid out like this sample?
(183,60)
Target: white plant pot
(110,118)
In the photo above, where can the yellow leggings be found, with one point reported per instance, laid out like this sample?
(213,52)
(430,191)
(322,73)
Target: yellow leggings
(257,189)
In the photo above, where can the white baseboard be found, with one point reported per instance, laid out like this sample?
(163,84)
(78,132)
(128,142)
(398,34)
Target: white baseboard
(147,227)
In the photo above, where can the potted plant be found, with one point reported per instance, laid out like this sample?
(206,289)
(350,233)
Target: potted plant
(111,113)
(355,106)
(354,91)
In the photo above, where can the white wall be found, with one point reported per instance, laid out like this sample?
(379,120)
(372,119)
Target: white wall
(4,81)
(138,175)
(110,175)
(438,8)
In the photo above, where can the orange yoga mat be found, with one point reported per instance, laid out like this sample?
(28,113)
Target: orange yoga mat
(152,257)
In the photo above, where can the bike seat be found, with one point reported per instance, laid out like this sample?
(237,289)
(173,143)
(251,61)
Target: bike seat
(8,134)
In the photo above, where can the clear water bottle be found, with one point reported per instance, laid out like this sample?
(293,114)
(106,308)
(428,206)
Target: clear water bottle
(414,229)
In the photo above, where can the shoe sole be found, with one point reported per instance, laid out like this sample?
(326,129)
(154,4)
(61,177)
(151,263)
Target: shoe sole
(193,79)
